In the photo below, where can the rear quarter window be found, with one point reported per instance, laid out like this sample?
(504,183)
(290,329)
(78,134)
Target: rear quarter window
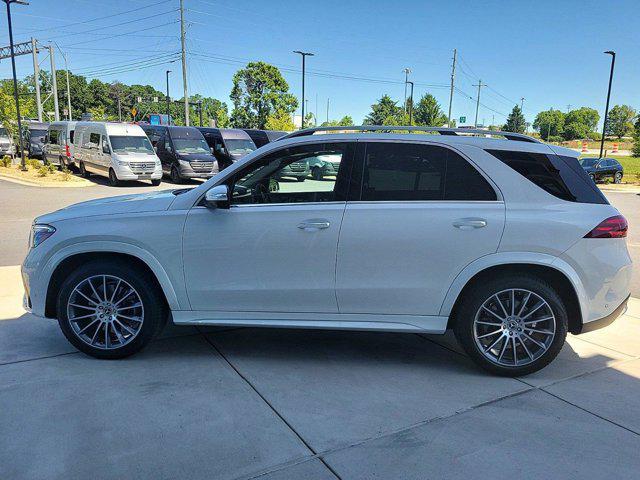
(561,176)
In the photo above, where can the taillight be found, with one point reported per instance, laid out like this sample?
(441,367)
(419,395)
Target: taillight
(612,227)
(67,151)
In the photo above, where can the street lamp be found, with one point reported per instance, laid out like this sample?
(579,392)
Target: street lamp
(606,108)
(168,104)
(303,55)
(15,79)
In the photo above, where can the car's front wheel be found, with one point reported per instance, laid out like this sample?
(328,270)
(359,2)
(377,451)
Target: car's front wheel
(511,326)
(617,178)
(108,309)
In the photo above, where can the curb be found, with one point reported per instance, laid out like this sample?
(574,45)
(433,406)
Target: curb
(30,183)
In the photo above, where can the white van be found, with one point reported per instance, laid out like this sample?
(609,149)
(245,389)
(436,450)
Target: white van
(120,150)
(58,144)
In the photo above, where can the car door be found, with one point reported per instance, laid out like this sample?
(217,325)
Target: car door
(274,249)
(423,213)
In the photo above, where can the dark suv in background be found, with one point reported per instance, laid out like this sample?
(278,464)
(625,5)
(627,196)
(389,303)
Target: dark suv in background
(34,135)
(601,168)
(228,145)
(262,137)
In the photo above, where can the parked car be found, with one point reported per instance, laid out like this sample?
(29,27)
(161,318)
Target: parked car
(183,152)
(58,144)
(324,166)
(120,151)
(228,145)
(6,143)
(601,168)
(262,137)
(503,239)
(34,135)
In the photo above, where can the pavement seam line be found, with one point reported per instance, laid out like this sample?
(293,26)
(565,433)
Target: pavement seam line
(590,412)
(266,401)
(39,358)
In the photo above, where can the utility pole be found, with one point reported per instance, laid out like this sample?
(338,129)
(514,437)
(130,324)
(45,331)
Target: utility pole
(453,77)
(327,110)
(66,69)
(168,100)
(200,110)
(184,65)
(119,107)
(569,108)
(406,71)
(411,105)
(606,108)
(315,115)
(303,55)
(480,85)
(54,84)
(36,76)
(522,99)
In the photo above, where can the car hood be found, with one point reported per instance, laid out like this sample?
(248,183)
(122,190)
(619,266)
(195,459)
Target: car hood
(197,157)
(135,203)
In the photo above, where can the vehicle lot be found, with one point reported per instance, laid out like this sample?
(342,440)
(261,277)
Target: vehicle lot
(275,404)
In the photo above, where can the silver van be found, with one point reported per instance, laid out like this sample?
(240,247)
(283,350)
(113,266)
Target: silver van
(58,144)
(6,143)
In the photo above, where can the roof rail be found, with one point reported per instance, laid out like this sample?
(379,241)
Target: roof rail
(393,128)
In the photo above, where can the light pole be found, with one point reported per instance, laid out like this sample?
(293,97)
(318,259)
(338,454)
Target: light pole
(303,55)
(606,108)
(168,101)
(410,104)
(15,79)
(406,71)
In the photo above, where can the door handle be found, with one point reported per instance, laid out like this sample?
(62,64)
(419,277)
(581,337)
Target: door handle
(469,223)
(314,224)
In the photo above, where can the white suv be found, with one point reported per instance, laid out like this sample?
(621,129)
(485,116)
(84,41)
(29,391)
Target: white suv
(495,235)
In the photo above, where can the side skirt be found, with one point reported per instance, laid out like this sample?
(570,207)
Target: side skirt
(337,321)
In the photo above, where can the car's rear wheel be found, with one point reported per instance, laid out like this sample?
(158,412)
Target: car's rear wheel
(300,179)
(316,173)
(175,175)
(617,178)
(110,309)
(83,170)
(513,325)
(155,183)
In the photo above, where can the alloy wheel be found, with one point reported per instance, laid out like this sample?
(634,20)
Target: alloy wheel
(514,327)
(105,312)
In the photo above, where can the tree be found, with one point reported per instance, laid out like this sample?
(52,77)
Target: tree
(549,123)
(515,121)
(428,113)
(385,112)
(280,120)
(8,115)
(259,90)
(580,123)
(345,121)
(620,121)
(636,137)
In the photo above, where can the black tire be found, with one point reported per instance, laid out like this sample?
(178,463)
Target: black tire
(617,177)
(156,183)
(113,179)
(475,298)
(300,179)
(83,171)
(316,173)
(155,311)
(175,175)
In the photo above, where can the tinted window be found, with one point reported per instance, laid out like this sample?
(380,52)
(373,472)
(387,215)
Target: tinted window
(53,137)
(282,176)
(71,136)
(561,176)
(94,138)
(413,172)
(125,143)
(588,162)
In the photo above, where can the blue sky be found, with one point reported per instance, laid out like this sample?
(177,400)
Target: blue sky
(549,52)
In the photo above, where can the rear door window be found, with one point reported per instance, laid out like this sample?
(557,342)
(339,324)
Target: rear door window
(418,172)
(561,176)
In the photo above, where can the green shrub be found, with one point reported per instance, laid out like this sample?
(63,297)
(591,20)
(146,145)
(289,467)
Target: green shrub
(66,173)
(6,161)
(33,163)
(52,168)
(43,171)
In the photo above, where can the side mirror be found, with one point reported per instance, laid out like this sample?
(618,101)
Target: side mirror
(106,149)
(211,150)
(155,148)
(217,197)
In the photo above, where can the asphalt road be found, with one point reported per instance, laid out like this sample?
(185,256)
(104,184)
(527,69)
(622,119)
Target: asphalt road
(20,204)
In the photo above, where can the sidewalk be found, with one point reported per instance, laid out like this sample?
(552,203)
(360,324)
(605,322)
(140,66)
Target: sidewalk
(294,404)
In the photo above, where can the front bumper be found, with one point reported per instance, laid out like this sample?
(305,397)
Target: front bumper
(124,172)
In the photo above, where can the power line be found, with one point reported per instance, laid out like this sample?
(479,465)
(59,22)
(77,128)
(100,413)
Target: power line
(120,63)
(133,34)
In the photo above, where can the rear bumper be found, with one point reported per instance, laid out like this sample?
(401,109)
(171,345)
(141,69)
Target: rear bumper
(604,321)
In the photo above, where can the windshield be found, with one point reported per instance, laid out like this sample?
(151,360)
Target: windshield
(588,162)
(127,144)
(239,146)
(37,133)
(191,145)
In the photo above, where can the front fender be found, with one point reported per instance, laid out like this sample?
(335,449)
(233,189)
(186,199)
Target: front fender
(507,258)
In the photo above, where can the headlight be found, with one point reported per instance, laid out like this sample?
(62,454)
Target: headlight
(39,233)
(123,163)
